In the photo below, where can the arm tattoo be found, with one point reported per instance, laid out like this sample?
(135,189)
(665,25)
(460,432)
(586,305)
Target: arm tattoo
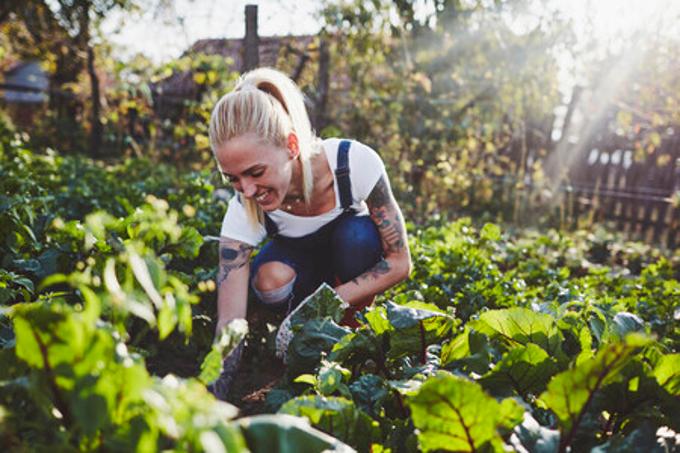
(387,217)
(233,255)
(382,267)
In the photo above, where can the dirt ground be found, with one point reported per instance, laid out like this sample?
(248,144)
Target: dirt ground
(260,369)
(256,377)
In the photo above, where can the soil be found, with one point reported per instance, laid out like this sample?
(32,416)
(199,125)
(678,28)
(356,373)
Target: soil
(260,369)
(256,377)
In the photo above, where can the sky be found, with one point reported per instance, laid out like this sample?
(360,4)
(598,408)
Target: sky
(164,35)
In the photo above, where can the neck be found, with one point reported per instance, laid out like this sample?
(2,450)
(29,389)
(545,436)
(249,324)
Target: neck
(295,191)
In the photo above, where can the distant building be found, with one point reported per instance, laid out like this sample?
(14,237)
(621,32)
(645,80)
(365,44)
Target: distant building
(170,94)
(24,91)
(26,83)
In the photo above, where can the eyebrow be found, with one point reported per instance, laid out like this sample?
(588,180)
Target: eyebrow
(248,170)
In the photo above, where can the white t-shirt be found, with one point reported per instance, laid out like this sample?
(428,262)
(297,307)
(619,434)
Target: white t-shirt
(365,168)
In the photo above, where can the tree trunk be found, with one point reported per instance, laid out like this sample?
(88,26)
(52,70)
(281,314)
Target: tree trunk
(65,129)
(96,128)
(321,119)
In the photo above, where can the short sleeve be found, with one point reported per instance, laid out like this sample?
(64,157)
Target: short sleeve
(366,167)
(237,226)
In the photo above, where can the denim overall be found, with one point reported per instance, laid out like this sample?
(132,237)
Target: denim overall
(337,252)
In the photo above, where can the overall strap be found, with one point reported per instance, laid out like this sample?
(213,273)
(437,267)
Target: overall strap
(270,226)
(342,175)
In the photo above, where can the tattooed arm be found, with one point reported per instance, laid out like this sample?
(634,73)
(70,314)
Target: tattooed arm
(232,280)
(396,263)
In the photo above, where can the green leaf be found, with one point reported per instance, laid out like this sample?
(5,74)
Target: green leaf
(520,325)
(330,379)
(324,302)
(121,299)
(49,333)
(286,433)
(28,348)
(667,373)
(31,266)
(336,416)
(586,342)
(228,340)
(167,320)
(316,337)
(368,392)
(623,324)
(356,347)
(416,326)
(405,387)
(410,314)
(455,414)
(141,272)
(570,392)
(189,243)
(530,436)
(470,350)
(643,439)
(490,232)
(306,379)
(377,320)
(25,282)
(524,369)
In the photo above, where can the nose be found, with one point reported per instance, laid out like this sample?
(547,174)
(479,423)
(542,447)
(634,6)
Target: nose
(248,187)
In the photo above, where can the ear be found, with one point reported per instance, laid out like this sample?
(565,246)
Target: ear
(293,145)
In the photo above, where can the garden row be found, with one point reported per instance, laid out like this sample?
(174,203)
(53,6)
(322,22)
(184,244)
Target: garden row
(529,341)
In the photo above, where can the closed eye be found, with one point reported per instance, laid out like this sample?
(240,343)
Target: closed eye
(254,173)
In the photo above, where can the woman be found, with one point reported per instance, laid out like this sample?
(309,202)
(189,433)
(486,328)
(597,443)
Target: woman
(326,205)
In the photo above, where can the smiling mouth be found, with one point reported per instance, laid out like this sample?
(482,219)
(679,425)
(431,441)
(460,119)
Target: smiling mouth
(260,198)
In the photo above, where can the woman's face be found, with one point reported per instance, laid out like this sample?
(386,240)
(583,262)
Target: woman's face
(259,171)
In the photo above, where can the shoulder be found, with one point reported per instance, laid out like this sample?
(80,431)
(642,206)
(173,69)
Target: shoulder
(365,165)
(361,156)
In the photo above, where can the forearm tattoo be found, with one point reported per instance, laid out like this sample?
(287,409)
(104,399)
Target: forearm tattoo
(387,217)
(382,267)
(233,255)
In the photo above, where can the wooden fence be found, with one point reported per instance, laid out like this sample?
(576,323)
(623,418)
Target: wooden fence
(640,193)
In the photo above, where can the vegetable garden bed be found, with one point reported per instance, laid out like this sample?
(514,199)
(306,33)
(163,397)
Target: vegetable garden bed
(500,339)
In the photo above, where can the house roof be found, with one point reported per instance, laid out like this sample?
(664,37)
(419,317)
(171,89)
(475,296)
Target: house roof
(270,47)
(25,82)
(182,86)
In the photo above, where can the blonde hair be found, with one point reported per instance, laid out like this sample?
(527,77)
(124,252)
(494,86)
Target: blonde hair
(267,104)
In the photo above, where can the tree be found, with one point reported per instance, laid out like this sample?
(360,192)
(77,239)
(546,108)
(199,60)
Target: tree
(60,33)
(454,100)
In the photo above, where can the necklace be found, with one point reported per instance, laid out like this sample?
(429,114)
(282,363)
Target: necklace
(292,202)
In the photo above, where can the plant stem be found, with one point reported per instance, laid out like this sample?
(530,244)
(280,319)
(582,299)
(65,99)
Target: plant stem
(59,400)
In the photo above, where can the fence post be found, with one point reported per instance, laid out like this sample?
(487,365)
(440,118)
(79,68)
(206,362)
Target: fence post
(251,43)
(324,83)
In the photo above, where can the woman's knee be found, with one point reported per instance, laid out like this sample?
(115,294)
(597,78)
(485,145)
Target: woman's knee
(273,275)
(273,283)
(358,233)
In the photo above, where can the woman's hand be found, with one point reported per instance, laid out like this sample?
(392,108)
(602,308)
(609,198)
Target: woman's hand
(396,264)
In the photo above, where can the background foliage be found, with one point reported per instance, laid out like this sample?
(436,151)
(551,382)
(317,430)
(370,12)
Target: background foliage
(110,207)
